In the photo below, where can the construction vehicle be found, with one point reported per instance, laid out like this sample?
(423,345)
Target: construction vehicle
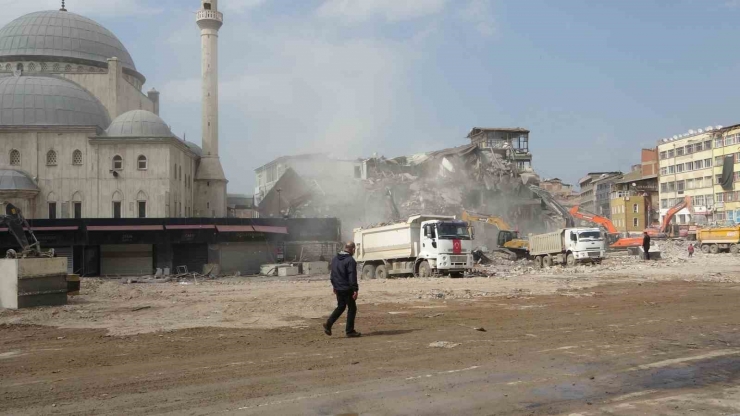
(663,230)
(424,245)
(508,240)
(18,227)
(614,238)
(567,246)
(719,239)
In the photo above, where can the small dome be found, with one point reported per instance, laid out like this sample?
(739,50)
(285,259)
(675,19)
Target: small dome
(15,180)
(194,148)
(59,34)
(48,101)
(139,123)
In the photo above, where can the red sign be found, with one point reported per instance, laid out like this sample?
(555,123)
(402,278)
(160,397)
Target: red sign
(456,246)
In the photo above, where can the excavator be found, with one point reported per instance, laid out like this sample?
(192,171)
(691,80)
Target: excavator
(508,240)
(662,232)
(616,241)
(18,226)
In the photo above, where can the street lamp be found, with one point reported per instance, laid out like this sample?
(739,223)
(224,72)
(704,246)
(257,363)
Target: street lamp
(280,214)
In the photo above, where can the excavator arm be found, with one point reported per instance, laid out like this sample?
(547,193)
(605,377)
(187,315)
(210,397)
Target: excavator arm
(686,203)
(15,223)
(596,219)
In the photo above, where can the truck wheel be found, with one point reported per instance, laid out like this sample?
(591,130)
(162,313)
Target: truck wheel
(547,261)
(714,249)
(424,269)
(538,262)
(705,248)
(368,271)
(734,249)
(571,260)
(381,272)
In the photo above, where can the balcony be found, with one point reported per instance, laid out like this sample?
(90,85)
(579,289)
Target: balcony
(210,15)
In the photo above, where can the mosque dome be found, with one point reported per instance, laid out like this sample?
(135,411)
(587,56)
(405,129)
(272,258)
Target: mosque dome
(139,123)
(48,101)
(16,180)
(63,36)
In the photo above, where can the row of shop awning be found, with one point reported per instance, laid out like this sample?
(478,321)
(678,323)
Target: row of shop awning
(220,228)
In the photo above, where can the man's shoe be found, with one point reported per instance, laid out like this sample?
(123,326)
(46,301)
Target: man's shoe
(354,334)
(327,330)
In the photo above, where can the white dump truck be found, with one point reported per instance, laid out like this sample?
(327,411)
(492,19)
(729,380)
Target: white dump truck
(567,246)
(424,245)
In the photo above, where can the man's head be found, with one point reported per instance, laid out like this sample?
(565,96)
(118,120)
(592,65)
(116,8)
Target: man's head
(645,233)
(350,248)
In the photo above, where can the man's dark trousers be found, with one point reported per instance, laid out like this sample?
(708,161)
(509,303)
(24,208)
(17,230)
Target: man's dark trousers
(344,301)
(647,252)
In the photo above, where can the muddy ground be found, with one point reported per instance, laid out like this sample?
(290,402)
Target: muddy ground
(625,338)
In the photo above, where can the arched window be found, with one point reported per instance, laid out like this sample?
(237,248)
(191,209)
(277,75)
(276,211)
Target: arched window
(56,68)
(141,199)
(19,67)
(77,157)
(51,158)
(80,68)
(141,162)
(68,68)
(51,199)
(117,162)
(77,205)
(31,67)
(15,158)
(117,204)
(44,67)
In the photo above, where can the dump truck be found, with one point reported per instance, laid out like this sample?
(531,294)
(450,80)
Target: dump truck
(567,246)
(720,239)
(424,246)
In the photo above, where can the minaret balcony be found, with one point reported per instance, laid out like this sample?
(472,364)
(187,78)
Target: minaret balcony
(210,15)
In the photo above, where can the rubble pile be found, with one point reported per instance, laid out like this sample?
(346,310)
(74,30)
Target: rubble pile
(443,182)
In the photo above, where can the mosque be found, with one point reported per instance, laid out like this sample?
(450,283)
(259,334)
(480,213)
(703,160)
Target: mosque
(80,139)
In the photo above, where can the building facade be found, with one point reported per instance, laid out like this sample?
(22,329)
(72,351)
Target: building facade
(588,195)
(513,143)
(687,170)
(628,213)
(726,142)
(81,137)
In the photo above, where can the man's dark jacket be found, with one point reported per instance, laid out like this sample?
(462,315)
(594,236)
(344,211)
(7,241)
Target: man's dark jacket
(344,272)
(646,242)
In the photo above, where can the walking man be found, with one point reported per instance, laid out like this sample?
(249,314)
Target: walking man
(344,281)
(646,245)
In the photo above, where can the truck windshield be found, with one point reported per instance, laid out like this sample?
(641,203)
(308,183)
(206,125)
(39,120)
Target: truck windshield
(453,231)
(589,235)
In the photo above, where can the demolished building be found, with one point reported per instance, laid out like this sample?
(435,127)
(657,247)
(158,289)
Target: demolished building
(444,182)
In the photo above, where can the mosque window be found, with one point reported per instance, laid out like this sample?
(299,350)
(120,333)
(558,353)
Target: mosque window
(77,157)
(32,67)
(51,158)
(7,67)
(141,162)
(19,67)
(80,68)
(207,6)
(56,67)
(15,158)
(117,162)
(68,68)
(44,67)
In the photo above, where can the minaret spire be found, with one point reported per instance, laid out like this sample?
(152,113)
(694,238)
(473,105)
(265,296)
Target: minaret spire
(62,9)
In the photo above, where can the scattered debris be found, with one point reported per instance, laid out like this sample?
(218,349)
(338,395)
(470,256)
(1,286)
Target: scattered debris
(443,344)
(141,308)
(480,329)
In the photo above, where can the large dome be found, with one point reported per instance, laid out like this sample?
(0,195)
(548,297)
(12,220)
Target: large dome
(60,34)
(139,123)
(48,101)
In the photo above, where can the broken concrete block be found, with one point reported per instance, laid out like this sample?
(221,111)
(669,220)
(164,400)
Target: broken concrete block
(285,271)
(314,268)
(30,282)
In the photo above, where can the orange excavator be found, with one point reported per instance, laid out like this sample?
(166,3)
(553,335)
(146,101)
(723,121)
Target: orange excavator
(662,232)
(615,239)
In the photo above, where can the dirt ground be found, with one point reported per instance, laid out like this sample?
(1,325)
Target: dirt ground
(624,338)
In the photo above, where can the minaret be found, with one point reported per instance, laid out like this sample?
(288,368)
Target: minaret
(210,200)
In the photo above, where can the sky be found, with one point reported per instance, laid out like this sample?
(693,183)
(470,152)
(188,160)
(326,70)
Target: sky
(594,81)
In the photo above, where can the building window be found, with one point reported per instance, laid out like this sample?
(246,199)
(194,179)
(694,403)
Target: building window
(707,163)
(141,162)
(663,203)
(68,68)
(729,140)
(720,197)
(671,169)
(207,6)
(635,222)
(689,184)
(662,155)
(718,179)
(689,149)
(698,147)
(680,186)
(19,67)
(52,210)
(719,143)
(117,162)
(664,187)
(78,209)
(51,158)
(142,209)
(663,171)
(77,157)
(179,173)
(671,186)
(116,209)
(699,164)
(679,168)
(15,158)
(635,209)
(680,151)
(707,144)
(689,166)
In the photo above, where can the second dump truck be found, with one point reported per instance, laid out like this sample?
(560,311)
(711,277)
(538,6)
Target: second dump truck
(424,245)
(716,240)
(567,246)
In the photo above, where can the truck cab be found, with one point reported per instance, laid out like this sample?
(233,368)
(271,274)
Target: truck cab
(585,243)
(446,245)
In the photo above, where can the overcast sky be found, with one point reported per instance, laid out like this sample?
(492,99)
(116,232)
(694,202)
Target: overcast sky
(593,80)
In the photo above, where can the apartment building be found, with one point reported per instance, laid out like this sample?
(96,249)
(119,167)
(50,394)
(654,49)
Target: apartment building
(687,169)
(726,143)
(591,195)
